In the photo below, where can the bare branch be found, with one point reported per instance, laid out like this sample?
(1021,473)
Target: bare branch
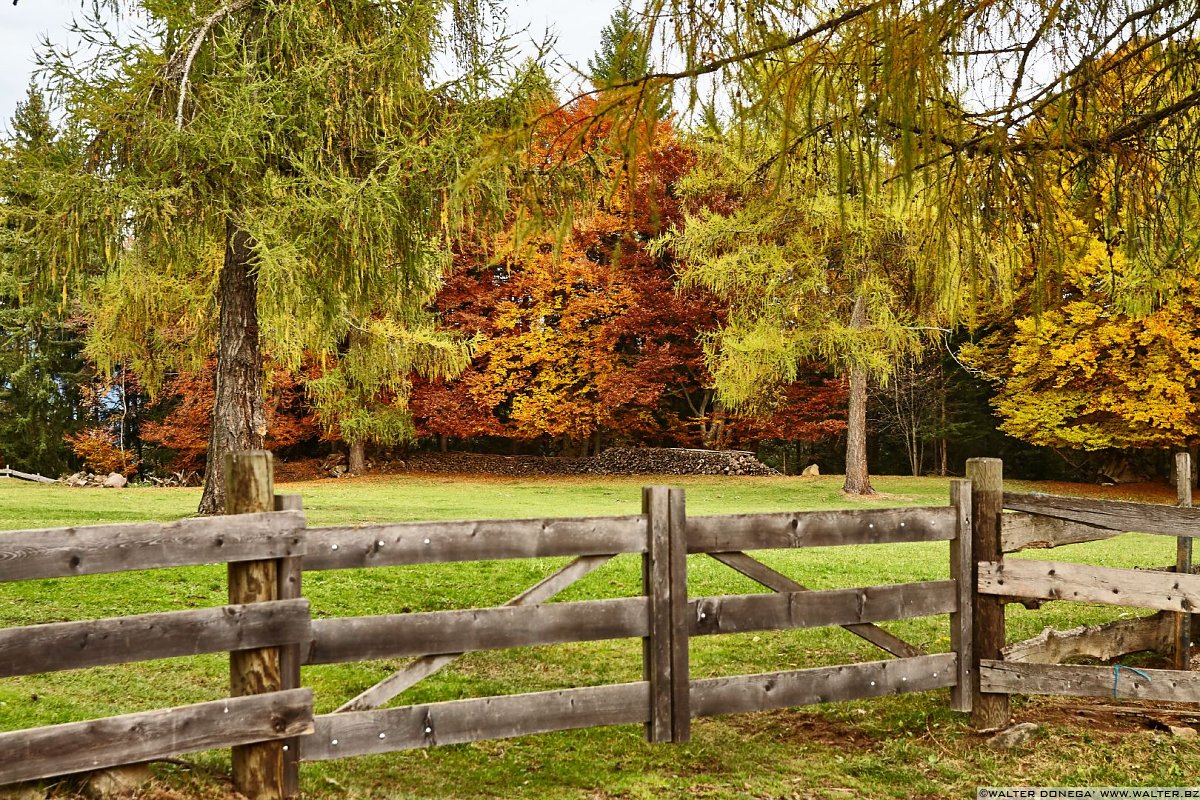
(197,41)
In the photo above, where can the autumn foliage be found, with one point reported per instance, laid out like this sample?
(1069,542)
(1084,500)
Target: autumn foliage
(581,335)
(98,451)
(189,397)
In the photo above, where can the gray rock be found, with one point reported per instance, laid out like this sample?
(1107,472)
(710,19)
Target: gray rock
(811,471)
(117,782)
(1183,731)
(1012,737)
(115,480)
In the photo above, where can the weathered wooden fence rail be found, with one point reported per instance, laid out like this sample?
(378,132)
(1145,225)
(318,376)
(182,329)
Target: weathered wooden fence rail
(268,629)
(64,552)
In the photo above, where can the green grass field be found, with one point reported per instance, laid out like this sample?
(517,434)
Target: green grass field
(909,746)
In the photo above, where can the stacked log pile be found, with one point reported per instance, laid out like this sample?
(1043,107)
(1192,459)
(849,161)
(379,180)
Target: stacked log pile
(614,461)
(674,461)
(487,464)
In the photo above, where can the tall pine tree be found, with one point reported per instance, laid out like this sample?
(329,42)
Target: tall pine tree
(41,366)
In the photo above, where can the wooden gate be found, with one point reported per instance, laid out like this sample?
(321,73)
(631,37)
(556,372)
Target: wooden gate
(1035,666)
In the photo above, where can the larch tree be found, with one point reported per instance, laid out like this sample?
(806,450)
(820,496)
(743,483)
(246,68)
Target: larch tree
(806,278)
(303,165)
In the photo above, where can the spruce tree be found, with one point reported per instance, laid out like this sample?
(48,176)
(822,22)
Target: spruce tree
(41,366)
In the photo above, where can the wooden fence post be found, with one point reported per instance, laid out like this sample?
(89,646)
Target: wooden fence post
(656,583)
(962,570)
(987,504)
(289,574)
(681,715)
(249,488)
(1183,562)
(664,580)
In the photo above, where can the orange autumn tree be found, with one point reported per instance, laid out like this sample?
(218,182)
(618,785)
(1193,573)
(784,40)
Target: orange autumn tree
(580,334)
(189,397)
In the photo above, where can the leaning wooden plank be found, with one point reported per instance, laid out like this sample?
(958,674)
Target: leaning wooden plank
(1166,685)
(74,645)
(387,730)
(758,571)
(814,609)
(1084,583)
(1021,531)
(418,670)
(26,476)
(62,552)
(802,687)
(1104,642)
(404,635)
(820,529)
(439,542)
(1115,515)
(78,746)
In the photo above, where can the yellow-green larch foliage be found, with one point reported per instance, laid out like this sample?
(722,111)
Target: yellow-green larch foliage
(309,161)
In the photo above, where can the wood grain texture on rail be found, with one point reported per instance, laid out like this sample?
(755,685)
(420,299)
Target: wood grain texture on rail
(1020,531)
(421,668)
(1105,642)
(1084,583)
(772,579)
(386,730)
(1080,681)
(74,645)
(133,738)
(740,693)
(403,635)
(481,540)
(814,609)
(63,552)
(1115,515)
(718,534)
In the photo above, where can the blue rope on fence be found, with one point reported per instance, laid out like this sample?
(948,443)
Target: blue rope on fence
(1117,675)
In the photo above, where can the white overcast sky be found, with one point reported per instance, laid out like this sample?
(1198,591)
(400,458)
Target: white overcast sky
(575,24)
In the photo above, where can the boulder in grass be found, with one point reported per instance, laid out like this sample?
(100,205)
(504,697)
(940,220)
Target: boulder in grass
(1015,736)
(811,471)
(115,480)
(125,781)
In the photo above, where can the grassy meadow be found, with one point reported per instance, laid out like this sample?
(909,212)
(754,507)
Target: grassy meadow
(909,746)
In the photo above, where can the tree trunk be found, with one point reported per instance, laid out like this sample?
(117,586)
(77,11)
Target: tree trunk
(358,457)
(238,421)
(857,479)
(443,445)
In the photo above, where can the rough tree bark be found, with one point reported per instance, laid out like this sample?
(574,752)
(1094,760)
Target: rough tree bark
(239,421)
(358,457)
(857,479)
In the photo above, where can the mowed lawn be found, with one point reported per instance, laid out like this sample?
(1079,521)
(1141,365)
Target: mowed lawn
(910,746)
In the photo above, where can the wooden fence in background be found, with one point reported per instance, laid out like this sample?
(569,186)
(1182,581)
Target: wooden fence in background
(269,632)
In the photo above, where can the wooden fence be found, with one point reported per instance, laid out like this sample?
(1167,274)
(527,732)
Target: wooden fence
(665,618)
(269,631)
